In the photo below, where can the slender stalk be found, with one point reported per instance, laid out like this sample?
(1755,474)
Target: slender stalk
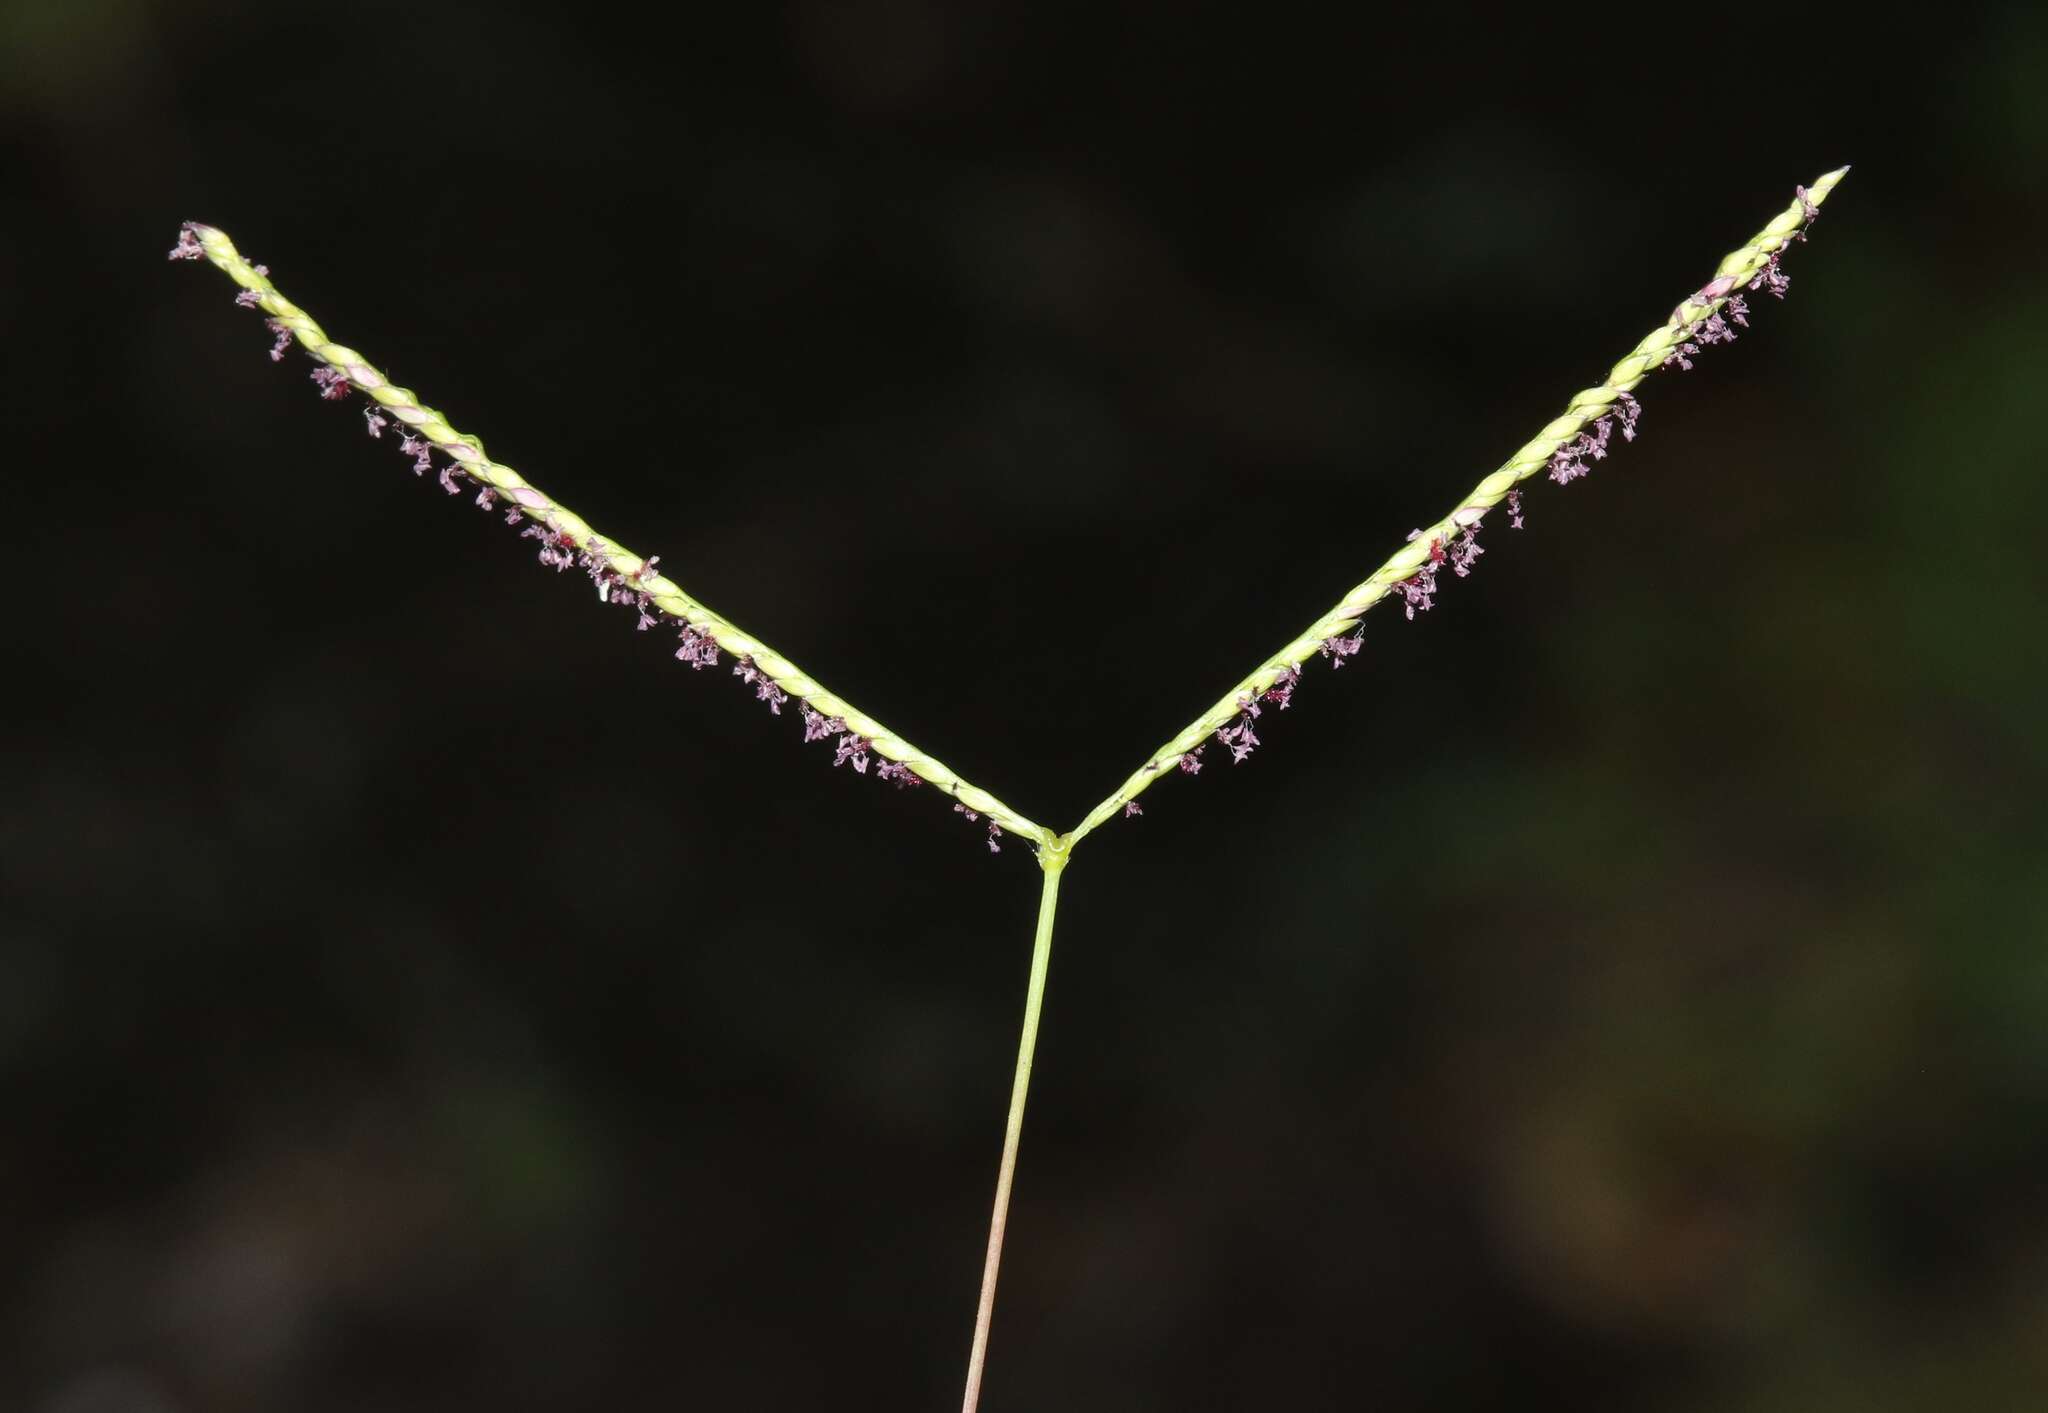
(1052,858)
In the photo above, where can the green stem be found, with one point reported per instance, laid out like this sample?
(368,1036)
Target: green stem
(1052,858)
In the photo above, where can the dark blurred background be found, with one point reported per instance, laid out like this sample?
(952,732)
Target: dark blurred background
(1626,987)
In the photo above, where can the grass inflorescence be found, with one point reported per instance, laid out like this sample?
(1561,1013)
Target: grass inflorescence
(1564,451)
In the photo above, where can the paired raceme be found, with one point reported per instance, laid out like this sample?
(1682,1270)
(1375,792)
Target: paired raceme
(1564,450)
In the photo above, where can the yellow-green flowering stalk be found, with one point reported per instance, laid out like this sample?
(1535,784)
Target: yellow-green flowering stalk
(1563,450)
(567,541)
